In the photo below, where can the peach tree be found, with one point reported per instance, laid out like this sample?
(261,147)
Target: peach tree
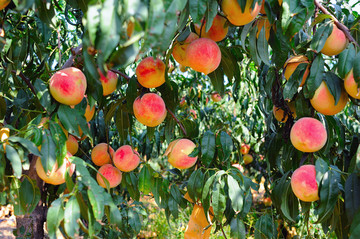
(212,103)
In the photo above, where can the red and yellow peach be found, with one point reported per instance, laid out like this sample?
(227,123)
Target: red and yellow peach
(150,109)
(126,159)
(108,82)
(178,153)
(351,86)
(151,72)
(236,16)
(102,154)
(304,185)
(179,50)
(217,31)
(335,43)
(111,174)
(292,63)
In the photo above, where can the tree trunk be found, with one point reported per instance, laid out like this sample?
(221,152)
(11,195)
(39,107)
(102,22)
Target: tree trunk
(32,225)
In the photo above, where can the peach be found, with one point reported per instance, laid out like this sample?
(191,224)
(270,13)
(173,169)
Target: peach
(216,97)
(263,23)
(178,153)
(292,63)
(89,112)
(4,135)
(236,16)
(351,86)
(126,159)
(179,50)
(68,86)
(4,3)
(151,72)
(72,145)
(304,185)
(203,55)
(108,82)
(239,166)
(57,175)
(267,202)
(308,135)
(324,102)
(335,43)
(111,173)
(150,109)
(245,148)
(280,114)
(217,31)
(248,158)
(102,154)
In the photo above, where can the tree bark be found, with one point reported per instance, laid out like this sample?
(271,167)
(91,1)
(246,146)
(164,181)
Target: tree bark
(32,225)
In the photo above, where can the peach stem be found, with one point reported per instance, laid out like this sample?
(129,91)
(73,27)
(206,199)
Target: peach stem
(337,23)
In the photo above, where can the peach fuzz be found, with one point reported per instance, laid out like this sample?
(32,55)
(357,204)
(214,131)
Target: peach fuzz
(263,23)
(151,72)
(111,173)
(324,102)
(248,158)
(292,63)
(351,86)
(68,86)
(308,135)
(100,154)
(72,145)
(236,16)
(57,175)
(203,55)
(4,3)
(279,113)
(217,31)
(304,185)
(126,159)
(335,43)
(216,97)
(179,50)
(244,149)
(108,82)
(150,109)
(178,153)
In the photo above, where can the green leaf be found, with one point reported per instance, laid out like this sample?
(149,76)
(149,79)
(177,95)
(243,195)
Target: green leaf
(211,12)
(217,80)
(352,195)
(197,9)
(293,83)
(265,228)
(54,217)
(93,22)
(131,94)
(15,160)
(355,227)
(356,68)
(72,215)
(329,192)
(30,146)
(218,199)
(145,180)
(315,77)
(29,195)
(228,63)
(71,119)
(48,152)
(226,144)
(237,227)
(289,203)
(321,167)
(134,220)
(45,11)
(322,33)
(262,46)
(346,60)
(236,194)
(207,148)
(195,185)
(96,199)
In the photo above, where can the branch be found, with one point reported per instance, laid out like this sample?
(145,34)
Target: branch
(75,51)
(341,26)
(121,73)
(177,121)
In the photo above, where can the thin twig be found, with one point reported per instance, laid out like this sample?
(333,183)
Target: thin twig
(27,81)
(177,120)
(75,52)
(59,44)
(122,74)
(341,26)
(222,229)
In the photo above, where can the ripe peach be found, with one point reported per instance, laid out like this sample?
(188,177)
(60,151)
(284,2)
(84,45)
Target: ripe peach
(72,145)
(100,154)
(151,72)
(351,86)
(248,158)
(68,86)
(245,148)
(108,82)
(179,50)
(217,31)
(126,159)
(150,109)
(57,175)
(308,135)
(4,3)
(178,153)
(203,55)
(279,113)
(292,63)
(216,97)
(304,185)
(263,23)
(324,102)
(111,173)
(335,43)
(267,202)
(236,16)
